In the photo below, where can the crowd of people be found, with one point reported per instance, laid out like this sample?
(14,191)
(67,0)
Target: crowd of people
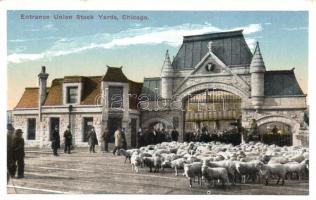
(155,136)
(204,135)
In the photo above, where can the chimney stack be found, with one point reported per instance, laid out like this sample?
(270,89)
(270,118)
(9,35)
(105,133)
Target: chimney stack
(42,83)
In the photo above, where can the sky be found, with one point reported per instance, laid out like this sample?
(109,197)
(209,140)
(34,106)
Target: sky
(86,46)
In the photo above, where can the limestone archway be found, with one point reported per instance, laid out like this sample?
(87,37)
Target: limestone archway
(150,121)
(213,85)
(295,126)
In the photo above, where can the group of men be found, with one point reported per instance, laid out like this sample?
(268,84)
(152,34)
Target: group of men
(155,136)
(15,152)
(55,139)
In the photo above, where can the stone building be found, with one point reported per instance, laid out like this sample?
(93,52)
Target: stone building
(81,102)
(212,80)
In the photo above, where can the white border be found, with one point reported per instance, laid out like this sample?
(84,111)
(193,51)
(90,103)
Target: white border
(197,5)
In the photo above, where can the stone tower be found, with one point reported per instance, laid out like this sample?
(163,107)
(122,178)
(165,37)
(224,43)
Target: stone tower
(166,78)
(42,83)
(257,70)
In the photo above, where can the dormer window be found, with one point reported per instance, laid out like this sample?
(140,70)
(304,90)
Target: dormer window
(72,95)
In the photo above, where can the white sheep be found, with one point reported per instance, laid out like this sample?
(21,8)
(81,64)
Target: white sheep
(277,170)
(214,174)
(250,169)
(178,164)
(193,170)
(297,168)
(135,162)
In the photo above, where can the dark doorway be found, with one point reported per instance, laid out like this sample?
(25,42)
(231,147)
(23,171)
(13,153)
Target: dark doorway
(113,124)
(54,121)
(87,124)
(133,132)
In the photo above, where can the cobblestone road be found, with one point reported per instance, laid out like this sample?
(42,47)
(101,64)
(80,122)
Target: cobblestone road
(103,173)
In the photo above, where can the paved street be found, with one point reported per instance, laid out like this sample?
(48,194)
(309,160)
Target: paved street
(103,173)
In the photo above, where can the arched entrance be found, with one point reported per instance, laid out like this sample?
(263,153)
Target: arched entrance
(277,133)
(279,130)
(211,115)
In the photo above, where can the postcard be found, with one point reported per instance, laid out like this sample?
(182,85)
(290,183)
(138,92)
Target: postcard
(163,102)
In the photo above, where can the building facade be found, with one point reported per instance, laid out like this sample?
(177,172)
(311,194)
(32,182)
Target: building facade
(213,80)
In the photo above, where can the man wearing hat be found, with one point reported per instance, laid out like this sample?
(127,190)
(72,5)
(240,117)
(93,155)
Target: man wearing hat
(55,141)
(11,164)
(18,142)
(68,140)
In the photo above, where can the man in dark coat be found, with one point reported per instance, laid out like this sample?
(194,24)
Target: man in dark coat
(106,138)
(174,134)
(11,162)
(55,141)
(68,140)
(93,140)
(140,138)
(124,142)
(18,142)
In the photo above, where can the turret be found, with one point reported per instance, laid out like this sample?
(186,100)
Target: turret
(42,83)
(257,70)
(166,78)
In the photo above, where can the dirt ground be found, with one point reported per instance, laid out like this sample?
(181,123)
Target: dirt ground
(103,173)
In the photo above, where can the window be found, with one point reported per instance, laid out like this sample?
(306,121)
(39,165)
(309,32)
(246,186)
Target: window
(116,97)
(72,94)
(31,128)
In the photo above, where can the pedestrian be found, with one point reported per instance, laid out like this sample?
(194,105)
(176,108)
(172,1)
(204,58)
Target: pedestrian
(105,138)
(55,141)
(118,140)
(11,162)
(68,140)
(93,140)
(124,142)
(19,152)
(140,138)
(174,134)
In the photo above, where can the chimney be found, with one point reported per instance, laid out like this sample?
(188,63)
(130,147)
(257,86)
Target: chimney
(42,83)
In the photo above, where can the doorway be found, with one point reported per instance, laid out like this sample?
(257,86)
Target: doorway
(54,121)
(87,124)
(133,132)
(113,124)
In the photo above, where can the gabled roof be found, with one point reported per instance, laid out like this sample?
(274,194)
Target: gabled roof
(281,83)
(115,74)
(230,47)
(29,99)
(91,90)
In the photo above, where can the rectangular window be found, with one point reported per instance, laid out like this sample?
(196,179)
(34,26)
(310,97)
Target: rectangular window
(72,94)
(31,128)
(116,97)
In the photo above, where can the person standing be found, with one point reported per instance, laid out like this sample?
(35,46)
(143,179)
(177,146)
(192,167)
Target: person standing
(93,140)
(118,140)
(140,138)
(124,142)
(68,140)
(174,134)
(106,137)
(11,162)
(19,152)
(55,141)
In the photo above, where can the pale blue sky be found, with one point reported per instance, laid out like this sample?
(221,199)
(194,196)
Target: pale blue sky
(85,47)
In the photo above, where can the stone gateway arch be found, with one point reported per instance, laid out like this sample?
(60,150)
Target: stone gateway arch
(223,62)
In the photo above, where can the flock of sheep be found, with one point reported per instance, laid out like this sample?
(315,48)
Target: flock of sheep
(217,162)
